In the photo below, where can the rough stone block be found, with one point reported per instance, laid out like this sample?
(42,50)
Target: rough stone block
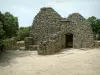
(28,41)
(33,47)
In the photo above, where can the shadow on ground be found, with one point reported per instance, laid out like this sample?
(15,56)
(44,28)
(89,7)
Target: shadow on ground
(7,56)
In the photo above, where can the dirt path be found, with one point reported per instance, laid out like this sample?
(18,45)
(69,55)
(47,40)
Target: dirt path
(68,62)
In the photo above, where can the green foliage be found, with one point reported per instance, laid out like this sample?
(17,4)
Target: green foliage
(10,25)
(6,43)
(8,28)
(1,26)
(1,30)
(23,32)
(9,43)
(95,23)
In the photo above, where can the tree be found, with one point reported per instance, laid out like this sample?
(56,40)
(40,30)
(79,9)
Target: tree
(24,32)
(10,25)
(1,30)
(92,21)
(95,23)
(1,26)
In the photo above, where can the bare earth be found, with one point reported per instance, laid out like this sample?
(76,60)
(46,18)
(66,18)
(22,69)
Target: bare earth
(68,62)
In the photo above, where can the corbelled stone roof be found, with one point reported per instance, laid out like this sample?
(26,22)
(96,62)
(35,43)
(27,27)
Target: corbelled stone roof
(76,17)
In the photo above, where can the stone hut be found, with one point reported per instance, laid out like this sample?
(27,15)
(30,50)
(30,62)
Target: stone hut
(50,32)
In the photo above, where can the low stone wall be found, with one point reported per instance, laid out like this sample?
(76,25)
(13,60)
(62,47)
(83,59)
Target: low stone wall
(13,43)
(10,44)
(33,47)
(97,44)
(28,42)
(49,47)
(20,43)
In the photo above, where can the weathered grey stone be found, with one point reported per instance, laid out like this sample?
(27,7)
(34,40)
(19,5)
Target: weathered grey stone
(46,22)
(81,30)
(33,47)
(20,43)
(13,43)
(49,30)
(97,44)
(28,42)
(49,47)
(21,48)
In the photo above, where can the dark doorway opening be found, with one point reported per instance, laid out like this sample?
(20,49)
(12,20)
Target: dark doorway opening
(69,40)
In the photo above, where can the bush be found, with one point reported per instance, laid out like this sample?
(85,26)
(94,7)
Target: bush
(23,32)
(9,44)
(6,43)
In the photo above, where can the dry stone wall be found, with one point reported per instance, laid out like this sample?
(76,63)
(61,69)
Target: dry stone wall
(28,42)
(83,34)
(49,47)
(45,23)
(49,30)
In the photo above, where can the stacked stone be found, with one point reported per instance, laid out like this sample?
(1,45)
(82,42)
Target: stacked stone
(97,44)
(49,30)
(83,34)
(49,47)
(76,17)
(33,47)
(13,43)
(66,28)
(55,36)
(28,42)
(46,22)
(20,45)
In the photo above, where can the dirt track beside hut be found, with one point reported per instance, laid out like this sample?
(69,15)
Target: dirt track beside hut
(67,62)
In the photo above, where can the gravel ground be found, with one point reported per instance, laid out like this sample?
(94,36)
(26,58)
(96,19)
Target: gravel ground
(67,62)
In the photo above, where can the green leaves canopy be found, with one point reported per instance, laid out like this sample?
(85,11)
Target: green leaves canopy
(95,23)
(23,32)
(8,25)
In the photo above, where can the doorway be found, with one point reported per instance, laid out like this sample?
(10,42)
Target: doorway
(69,40)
